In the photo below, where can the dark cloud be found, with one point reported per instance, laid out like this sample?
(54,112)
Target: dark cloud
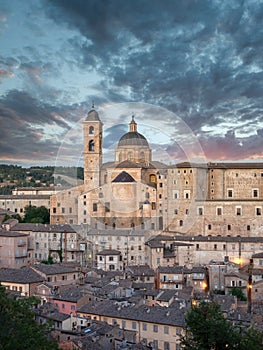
(201,60)
(113,134)
(25,118)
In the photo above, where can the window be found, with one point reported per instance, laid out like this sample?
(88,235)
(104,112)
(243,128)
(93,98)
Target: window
(219,211)
(215,246)
(153,206)
(144,326)
(91,130)
(186,194)
(111,258)
(209,226)
(255,192)
(95,207)
(133,325)
(200,211)
(63,306)
(258,211)
(197,247)
(155,328)
(230,193)
(178,331)
(54,210)
(229,227)
(181,223)
(72,307)
(175,211)
(248,227)
(186,211)
(153,178)
(166,345)
(175,194)
(238,211)
(123,324)
(166,330)
(91,145)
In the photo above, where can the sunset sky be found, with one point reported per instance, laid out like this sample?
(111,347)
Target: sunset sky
(198,64)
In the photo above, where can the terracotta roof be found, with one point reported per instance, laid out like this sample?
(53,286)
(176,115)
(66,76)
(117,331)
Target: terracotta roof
(24,275)
(53,269)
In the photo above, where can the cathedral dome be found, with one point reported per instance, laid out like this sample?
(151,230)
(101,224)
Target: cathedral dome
(133,137)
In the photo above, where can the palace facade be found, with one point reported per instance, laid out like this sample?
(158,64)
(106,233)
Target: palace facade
(136,192)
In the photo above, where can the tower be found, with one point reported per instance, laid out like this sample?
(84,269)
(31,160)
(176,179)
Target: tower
(92,152)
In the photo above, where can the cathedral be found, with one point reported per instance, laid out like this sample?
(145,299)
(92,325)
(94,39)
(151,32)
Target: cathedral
(136,192)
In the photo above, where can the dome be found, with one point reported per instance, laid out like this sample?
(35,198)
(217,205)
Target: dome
(133,138)
(93,116)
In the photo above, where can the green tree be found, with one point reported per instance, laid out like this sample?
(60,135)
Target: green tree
(15,216)
(208,329)
(18,330)
(238,292)
(35,214)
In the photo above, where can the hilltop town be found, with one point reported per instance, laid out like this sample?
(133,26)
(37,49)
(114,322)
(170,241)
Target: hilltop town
(133,247)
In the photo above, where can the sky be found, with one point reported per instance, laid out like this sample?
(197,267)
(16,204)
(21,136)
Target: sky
(190,71)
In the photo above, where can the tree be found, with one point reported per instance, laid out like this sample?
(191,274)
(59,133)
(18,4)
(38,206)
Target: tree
(238,292)
(35,214)
(19,330)
(15,216)
(207,328)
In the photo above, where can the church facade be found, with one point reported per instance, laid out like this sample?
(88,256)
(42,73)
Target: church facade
(136,192)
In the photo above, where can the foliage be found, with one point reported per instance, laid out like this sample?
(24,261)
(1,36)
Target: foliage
(238,293)
(18,330)
(15,216)
(49,261)
(12,176)
(207,328)
(35,214)
(60,255)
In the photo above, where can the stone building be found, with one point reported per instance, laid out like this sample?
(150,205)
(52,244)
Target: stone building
(25,196)
(14,249)
(135,191)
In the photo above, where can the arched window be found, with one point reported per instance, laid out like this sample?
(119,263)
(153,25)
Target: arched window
(114,225)
(142,156)
(91,130)
(91,145)
(153,178)
(129,156)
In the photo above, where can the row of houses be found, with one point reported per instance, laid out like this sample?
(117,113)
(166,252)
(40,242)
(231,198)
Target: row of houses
(149,303)
(25,244)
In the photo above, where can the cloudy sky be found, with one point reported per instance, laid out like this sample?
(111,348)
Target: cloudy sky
(194,63)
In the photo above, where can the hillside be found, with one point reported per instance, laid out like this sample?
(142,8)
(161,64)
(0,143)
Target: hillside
(12,176)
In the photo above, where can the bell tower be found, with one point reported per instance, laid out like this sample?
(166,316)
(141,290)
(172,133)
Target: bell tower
(92,152)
